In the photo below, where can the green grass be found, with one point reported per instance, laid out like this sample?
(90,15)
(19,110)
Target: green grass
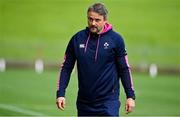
(42,28)
(36,92)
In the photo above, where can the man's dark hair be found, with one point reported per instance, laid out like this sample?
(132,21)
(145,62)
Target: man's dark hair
(99,8)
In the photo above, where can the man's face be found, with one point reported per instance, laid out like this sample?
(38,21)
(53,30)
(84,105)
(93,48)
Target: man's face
(96,22)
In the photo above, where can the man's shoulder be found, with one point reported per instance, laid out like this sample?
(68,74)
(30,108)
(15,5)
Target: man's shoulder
(81,32)
(80,35)
(116,36)
(115,33)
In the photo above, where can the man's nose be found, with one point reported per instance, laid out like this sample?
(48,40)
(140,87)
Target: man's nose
(93,22)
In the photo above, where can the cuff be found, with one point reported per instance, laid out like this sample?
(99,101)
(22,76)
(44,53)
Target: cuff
(60,93)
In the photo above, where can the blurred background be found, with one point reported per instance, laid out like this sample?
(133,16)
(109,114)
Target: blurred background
(34,35)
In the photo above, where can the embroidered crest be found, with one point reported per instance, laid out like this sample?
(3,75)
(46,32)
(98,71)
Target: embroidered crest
(106,45)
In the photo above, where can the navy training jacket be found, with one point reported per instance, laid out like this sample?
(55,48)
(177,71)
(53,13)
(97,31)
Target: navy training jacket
(101,62)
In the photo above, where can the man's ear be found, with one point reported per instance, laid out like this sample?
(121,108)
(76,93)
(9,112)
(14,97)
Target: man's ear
(105,21)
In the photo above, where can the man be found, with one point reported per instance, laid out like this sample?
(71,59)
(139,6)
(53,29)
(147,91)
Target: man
(101,61)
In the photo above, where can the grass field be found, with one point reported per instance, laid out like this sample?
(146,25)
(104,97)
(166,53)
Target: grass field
(27,91)
(31,29)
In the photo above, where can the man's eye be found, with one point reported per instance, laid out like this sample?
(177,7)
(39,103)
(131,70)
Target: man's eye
(90,19)
(98,20)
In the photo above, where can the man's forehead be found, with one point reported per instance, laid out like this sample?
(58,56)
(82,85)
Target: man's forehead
(94,15)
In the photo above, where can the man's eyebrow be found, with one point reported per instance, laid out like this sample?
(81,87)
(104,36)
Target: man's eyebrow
(94,18)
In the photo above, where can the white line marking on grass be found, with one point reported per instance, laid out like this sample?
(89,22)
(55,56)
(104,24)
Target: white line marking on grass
(20,110)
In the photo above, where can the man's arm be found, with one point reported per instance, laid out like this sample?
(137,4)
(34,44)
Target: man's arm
(66,69)
(124,73)
(126,79)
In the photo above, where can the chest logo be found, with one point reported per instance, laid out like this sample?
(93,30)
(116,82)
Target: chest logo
(106,45)
(81,45)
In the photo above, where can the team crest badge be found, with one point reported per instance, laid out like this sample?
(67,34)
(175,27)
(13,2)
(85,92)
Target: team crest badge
(106,45)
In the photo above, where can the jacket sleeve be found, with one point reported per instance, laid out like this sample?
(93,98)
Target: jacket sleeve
(66,69)
(123,67)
